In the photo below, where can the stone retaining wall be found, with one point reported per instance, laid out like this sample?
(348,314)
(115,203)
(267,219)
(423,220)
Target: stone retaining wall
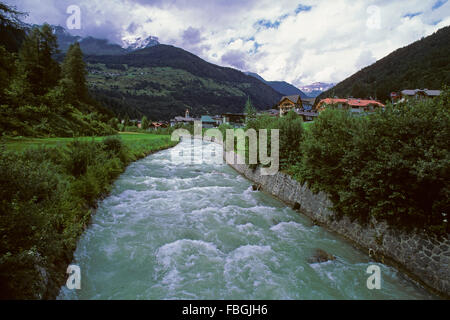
(425,258)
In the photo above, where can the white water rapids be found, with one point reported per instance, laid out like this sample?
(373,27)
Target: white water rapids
(198,231)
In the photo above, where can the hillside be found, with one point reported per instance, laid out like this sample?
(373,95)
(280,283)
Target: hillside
(422,64)
(162,81)
(39,96)
(286,89)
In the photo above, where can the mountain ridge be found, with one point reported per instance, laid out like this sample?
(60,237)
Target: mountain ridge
(422,64)
(95,46)
(283,87)
(163,81)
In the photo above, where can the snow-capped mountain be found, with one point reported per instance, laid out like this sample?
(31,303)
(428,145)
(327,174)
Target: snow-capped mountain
(133,43)
(93,46)
(313,90)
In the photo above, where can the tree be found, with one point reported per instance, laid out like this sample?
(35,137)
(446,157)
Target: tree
(11,31)
(145,123)
(126,121)
(36,64)
(250,110)
(358,91)
(9,16)
(6,70)
(74,69)
(114,123)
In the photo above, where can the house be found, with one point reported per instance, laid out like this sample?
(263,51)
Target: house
(218,119)
(234,119)
(208,122)
(352,104)
(157,125)
(418,94)
(270,112)
(288,103)
(308,103)
(182,120)
(395,97)
(307,115)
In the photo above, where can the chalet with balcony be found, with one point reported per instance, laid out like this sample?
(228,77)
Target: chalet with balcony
(288,103)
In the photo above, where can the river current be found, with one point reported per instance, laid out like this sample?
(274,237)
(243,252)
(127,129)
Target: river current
(198,231)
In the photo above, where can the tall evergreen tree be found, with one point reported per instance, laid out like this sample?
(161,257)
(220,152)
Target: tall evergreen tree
(250,110)
(11,28)
(6,70)
(144,123)
(126,121)
(74,69)
(36,64)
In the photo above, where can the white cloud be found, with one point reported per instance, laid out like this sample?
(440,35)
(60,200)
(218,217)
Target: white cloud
(326,41)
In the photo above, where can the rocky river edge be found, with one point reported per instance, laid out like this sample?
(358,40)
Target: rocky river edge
(423,257)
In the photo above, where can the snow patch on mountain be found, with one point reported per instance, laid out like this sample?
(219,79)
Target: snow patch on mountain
(132,43)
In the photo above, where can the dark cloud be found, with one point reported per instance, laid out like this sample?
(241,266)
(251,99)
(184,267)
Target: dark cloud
(93,23)
(132,27)
(192,36)
(235,58)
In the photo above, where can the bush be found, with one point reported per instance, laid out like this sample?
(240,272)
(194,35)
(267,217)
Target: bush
(80,155)
(113,144)
(392,165)
(290,134)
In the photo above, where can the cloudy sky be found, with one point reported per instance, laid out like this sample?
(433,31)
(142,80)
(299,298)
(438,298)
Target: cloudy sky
(299,41)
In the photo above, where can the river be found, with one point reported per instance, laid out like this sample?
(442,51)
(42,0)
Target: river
(198,231)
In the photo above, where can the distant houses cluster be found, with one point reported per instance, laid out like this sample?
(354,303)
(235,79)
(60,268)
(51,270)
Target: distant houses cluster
(207,121)
(404,95)
(305,108)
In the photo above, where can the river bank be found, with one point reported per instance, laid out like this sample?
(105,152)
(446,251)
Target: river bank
(197,230)
(57,185)
(423,257)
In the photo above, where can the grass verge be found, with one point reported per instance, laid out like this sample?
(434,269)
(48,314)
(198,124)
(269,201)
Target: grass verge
(50,188)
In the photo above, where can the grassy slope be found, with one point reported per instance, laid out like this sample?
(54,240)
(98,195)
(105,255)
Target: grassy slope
(155,91)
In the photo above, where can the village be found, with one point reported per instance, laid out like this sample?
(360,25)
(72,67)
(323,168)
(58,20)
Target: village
(307,108)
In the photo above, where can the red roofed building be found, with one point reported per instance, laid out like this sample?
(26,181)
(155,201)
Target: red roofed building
(354,105)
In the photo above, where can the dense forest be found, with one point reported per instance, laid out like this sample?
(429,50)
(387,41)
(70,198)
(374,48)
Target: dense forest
(423,64)
(39,96)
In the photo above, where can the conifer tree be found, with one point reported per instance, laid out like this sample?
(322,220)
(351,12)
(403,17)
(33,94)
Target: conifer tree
(144,123)
(126,121)
(74,70)
(250,110)
(36,64)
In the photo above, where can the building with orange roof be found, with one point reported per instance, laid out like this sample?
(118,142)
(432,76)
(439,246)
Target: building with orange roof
(352,104)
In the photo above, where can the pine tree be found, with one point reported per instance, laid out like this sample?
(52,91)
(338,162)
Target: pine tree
(144,123)
(250,110)
(6,70)
(74,70)
(11,28)
(9,16)
(36,64)
(126,121)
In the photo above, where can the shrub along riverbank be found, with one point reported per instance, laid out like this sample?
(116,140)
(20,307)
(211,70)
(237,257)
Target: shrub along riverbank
(393,165)
(47,197)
